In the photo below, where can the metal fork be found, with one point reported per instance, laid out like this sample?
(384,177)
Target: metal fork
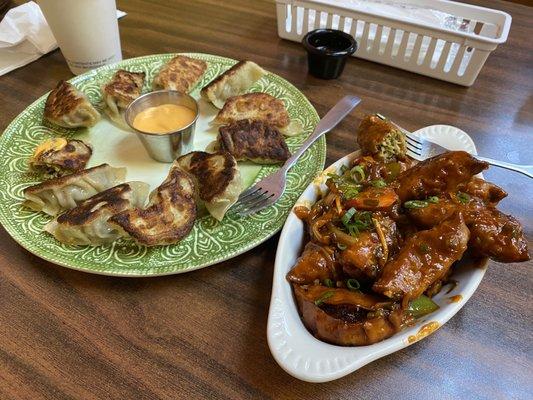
(421,149)
(269,189)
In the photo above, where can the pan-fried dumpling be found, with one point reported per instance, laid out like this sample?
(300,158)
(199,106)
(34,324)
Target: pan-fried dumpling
(169,216)
(218,178)
(87,223)
(254,141)
(181,73)
(56,195)
(233,82)
(60,156)
(66,106)
(258,107)
(124,87)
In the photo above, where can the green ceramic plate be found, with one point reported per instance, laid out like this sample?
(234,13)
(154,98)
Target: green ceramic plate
(209,242)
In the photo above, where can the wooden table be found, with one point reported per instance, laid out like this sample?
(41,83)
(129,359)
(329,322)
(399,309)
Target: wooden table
(70,335)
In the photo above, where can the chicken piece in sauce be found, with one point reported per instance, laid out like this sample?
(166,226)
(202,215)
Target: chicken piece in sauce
(315,263)
(424,259)
(437,175)
(492,233)
(348,318)
(498,236)
(366,254)
(481,189)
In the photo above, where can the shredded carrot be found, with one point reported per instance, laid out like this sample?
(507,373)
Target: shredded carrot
(382,240)
(374,199)
(338,204)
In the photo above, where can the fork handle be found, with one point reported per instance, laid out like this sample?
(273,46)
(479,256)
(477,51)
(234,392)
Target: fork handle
(330,121)
(523,169)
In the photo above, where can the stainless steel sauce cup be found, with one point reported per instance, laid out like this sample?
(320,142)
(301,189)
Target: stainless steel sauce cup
(164,146)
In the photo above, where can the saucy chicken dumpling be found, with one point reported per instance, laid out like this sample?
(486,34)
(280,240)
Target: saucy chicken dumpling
(438,174)
(66,106)
(424,259)
(348,318)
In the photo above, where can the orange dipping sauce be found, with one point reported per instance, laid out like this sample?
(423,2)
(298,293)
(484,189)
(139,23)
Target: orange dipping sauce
(163,119)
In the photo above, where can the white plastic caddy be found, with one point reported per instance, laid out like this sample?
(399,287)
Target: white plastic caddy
(451,55)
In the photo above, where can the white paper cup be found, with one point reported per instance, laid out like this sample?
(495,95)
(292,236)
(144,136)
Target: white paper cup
(86,31)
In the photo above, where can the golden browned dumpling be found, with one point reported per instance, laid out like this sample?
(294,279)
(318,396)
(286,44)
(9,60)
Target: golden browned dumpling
(218,179)
(254,141)
(66,106)
(60,156)
(258,107)
(170,213)
(59,194)
(181,73)
(233,82)
(87,223)
(124,87)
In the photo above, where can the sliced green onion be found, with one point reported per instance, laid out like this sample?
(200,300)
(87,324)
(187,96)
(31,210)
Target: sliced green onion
(349,192)
(353,284)
(463,197)
(354,221)
(415,204)
(353,230)
(348,216)
(341,246)
(421,306)
(325,296)
(424,248)
(433,199)
(378,183)
(358,174)
(343,169)
(328,282)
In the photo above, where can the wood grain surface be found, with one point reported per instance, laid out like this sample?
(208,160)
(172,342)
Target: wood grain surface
(70,335)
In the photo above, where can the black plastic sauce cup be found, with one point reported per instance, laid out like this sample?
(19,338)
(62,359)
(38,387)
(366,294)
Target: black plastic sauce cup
(327,51)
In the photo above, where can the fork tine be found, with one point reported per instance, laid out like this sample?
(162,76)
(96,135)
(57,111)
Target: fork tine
(413,143)
(251,190)
(258,206)
(413,149)
(414,155)
(249,200)
(256,200)
(413,139)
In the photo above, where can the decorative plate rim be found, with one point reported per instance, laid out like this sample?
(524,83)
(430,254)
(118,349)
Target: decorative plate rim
(137,271)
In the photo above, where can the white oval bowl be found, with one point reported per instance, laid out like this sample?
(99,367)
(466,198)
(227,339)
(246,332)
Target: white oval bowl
(294,348)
